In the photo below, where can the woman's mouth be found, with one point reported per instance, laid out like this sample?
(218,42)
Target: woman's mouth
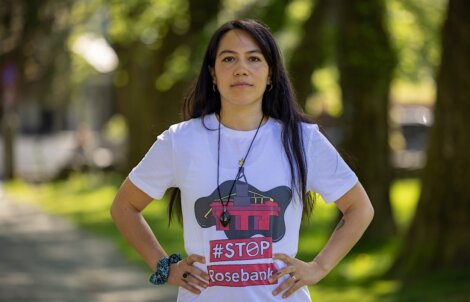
(241,84)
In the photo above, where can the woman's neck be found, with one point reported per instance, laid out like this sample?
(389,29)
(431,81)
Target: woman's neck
(243,121)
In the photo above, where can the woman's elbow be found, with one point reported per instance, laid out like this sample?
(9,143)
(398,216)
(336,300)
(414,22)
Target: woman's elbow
(113,210)
(369,212)
(118,208)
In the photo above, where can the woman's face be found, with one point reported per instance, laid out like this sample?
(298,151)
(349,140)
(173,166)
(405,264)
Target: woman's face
(241,72)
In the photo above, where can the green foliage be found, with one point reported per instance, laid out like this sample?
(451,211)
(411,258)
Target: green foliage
(146,21)
(327,97)
(415,32)
(176,67)
(299,10)
(116,129)
(125,23)
(415,27)
(288,37)
(404,194)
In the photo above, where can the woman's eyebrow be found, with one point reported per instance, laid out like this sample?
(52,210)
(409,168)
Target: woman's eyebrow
(228,51)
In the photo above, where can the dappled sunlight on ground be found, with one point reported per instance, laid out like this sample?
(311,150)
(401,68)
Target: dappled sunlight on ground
(47,258)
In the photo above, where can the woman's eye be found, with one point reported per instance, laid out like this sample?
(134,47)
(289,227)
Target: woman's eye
(228,59)
(254,59)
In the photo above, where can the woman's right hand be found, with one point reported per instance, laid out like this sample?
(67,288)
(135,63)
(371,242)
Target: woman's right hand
(184,274)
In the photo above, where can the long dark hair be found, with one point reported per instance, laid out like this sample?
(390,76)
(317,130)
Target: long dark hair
(279,103)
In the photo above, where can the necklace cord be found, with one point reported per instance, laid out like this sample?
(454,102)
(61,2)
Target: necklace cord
(239,169)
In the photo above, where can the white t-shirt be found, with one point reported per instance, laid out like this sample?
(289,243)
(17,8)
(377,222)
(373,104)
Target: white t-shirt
(265,212)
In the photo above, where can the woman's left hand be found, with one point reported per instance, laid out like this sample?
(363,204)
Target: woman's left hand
(301,274)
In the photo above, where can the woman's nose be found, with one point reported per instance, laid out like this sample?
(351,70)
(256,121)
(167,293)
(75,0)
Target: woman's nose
(240,69)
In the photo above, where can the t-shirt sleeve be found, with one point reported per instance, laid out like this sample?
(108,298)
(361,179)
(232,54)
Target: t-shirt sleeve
(328,174)
(155,173)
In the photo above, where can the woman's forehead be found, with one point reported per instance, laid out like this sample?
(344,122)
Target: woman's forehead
(237,40)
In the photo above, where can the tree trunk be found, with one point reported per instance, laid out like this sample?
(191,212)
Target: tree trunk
(311,52)
(274,16)
(439,236)
(8,132)
(366,61)
(136,99)
(8,99)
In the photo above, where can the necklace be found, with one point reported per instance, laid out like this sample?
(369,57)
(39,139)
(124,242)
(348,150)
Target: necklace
(225,216)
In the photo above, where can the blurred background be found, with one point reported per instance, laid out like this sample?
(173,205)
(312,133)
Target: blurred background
(87,85)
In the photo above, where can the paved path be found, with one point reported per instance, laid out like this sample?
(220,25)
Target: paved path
(44,258)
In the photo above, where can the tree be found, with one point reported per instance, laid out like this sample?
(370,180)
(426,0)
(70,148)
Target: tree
(156,64)
(366,62)
(439,236)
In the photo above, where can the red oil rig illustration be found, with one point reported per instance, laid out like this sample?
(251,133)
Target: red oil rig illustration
(242,205)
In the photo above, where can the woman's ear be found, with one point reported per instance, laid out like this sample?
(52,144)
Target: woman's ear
(212,72)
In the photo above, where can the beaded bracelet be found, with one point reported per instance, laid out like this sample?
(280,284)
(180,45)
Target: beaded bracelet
(163,269)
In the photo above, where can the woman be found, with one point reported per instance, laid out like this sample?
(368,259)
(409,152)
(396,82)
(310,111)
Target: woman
(243,159)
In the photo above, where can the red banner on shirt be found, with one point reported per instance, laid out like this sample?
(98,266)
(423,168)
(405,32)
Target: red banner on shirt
(240,275)
(240,249)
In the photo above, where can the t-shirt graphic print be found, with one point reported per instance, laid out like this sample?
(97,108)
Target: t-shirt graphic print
(256,221)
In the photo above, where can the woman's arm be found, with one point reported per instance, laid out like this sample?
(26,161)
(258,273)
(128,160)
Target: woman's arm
(357,214)
(126,213)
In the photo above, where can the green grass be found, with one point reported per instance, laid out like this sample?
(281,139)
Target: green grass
(86,199)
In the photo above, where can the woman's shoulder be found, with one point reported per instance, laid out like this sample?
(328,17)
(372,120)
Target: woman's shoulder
(310,127)
(188,127)
(314,133)
(311,132)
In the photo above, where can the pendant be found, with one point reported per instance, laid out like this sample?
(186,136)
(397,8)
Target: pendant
(225,219)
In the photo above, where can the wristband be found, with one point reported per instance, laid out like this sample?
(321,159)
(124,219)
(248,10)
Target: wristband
(163,269)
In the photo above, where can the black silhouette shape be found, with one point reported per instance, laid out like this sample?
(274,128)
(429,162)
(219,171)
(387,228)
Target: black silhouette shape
(252,211)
